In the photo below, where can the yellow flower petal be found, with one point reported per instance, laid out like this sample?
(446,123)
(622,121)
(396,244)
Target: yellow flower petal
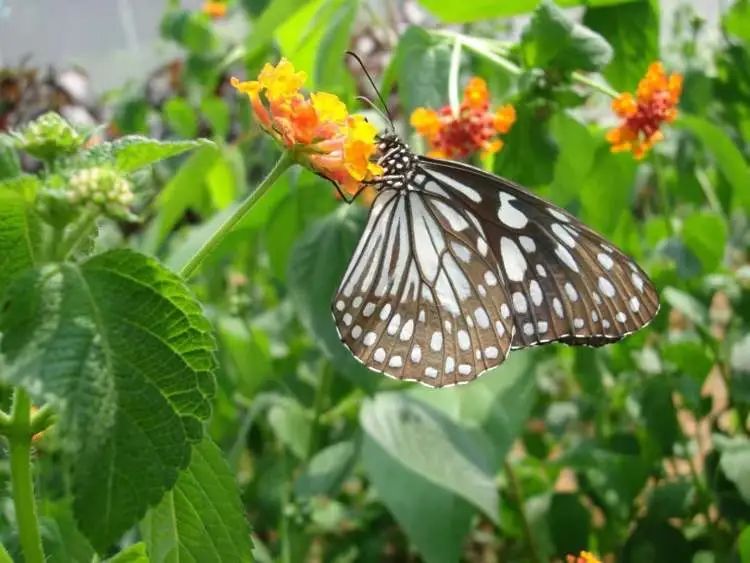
(328,106)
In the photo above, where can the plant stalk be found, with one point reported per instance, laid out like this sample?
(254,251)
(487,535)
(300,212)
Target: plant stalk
(284,162)
(19,438)
(80,231)
(321,396)
(663,194)
(515,489)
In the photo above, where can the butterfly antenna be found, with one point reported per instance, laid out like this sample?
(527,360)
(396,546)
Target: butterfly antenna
(375,108)
(355,56)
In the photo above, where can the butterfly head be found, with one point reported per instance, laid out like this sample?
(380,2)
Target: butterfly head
(396,159)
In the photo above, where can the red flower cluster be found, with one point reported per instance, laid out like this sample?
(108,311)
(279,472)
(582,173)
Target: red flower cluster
(655,102)
(474,129)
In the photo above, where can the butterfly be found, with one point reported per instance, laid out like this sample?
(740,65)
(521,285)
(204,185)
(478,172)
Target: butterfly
(456,267)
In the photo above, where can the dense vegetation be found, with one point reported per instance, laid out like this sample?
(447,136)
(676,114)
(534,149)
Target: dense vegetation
(177,409)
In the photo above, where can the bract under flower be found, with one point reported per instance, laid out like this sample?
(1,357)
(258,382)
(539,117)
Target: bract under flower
(474,129)
(317,129)
(655,102)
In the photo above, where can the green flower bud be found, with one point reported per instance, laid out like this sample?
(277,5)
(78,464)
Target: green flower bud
(104,188)
(48,136)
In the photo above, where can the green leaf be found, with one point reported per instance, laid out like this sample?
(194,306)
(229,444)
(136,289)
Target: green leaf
(529,154)
(705,234)
(182,191)
(607,190)
(19,235)
(268,23)
(569,523)
(422,63)
(632,30)
(575,159)
(124,352)
(551,40)
(133,152)
(216,112)
(687,305)
(330,73)
(135,553)
(659,414)
(291,424)
(181,117)
(202,518)
(737,20)
(434,519)
(326,470)
(726,154)
(429,444)
(735,462)
(656,541)
(671,499)
(456,12)
(316,266)
(743,545)
(10,166)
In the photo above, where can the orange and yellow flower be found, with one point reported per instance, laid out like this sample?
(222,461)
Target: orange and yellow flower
(654,103)
(318,129)
(214,10)
(474,129)
(583,557)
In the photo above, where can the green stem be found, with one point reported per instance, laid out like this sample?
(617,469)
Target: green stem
(284,162)
(453,76)
(80,231)
(321,395)
(663,194)
(517,493)
(19,437)
(600,87)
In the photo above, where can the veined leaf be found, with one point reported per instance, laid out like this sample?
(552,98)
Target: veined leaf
(19,235)
(133,152)
(120,347)
(202,518)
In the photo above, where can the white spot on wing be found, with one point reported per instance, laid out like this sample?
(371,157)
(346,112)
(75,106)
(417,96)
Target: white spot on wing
(535,292)
(527,243)
(436,342)
(509,215)
(519,302)
(513,261)
(379,355)
(605,260)
(563,235)
(566,257)
(606,287)
(471,193)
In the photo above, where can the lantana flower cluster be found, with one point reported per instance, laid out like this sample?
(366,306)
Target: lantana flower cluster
(655,102)
(317,128)
(103,188)
(474,128)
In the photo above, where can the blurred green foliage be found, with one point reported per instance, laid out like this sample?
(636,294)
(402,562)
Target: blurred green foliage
(638,451)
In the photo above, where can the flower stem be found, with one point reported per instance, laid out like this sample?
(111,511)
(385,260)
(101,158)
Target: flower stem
(453,76)
(19,437)
(80,231)
(661,187)
(284,162)
(515,489)
(321,397)
(599,86)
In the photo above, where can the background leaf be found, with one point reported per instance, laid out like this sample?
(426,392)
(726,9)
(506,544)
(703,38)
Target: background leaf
(19,236)
(482,9)
(632,29)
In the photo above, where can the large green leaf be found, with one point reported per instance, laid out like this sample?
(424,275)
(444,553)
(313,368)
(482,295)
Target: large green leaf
(19,235)
(316,266)
(632,30)
(422,64)
(120,347)
(434,519)
(10,165)
(553,40)
(726,154)
(202,518)
(484,9)
(428,443)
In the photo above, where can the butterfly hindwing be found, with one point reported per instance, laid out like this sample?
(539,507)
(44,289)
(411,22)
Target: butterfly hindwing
(564,281)
(421,298)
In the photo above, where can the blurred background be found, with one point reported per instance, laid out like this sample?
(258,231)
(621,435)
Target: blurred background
(637,452)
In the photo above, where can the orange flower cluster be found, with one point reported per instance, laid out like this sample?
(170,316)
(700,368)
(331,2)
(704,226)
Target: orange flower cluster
(475,128)
(318,130)
(583,557)
(654,103)
(214,9)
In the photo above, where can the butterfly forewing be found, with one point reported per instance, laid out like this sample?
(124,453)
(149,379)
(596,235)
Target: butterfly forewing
(421,299)
(566,283)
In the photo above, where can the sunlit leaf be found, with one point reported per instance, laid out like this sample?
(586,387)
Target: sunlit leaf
(19,235)
(483,9)
(705,234)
